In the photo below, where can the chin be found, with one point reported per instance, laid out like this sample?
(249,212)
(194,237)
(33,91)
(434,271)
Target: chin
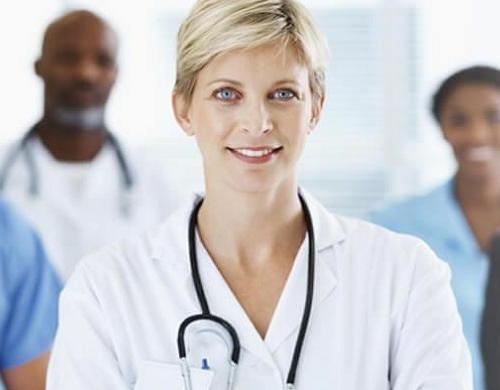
(250,185)
(481,172)
(261,184)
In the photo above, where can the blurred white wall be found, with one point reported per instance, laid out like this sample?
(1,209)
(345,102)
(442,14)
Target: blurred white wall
(451,34)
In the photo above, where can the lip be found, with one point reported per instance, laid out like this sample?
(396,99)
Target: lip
(82,97)
(255,155)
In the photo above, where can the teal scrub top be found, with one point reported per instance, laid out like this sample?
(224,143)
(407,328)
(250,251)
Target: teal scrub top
(29,291)
(437,218)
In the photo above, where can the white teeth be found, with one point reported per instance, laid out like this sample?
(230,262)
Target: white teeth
(482,153)
(254,153)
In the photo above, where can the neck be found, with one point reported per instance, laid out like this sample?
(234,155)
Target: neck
(70,143)
(251,228)
(484,193)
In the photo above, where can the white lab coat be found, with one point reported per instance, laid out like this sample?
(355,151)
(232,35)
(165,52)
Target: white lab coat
(384,316)
(73,225)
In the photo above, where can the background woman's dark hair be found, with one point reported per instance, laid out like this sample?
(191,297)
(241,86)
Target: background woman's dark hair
(473,75)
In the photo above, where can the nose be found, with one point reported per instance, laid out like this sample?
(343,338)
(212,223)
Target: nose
(87,70)
(481,132)
(257,119)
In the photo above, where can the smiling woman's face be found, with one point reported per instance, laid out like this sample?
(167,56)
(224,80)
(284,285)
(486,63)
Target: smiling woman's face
(250,112)
(470,121)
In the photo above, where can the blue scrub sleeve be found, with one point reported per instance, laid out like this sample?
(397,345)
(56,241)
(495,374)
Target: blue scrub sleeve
(30,297)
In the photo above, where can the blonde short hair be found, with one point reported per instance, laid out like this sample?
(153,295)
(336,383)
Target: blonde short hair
(216,26)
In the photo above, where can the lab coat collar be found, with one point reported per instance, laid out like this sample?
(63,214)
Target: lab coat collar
(327,228)
(288,313)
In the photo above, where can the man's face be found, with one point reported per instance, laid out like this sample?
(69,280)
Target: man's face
(78,65)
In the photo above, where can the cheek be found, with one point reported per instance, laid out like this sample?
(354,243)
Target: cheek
(294,123)
(108,78)
(58,80)
(211,124)
(455,137)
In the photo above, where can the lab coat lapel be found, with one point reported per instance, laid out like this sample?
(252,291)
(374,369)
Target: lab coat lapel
(221,299)
(288,315)
(223,303)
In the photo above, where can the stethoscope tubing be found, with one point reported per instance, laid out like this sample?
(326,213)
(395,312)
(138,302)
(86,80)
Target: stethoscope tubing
(23,149)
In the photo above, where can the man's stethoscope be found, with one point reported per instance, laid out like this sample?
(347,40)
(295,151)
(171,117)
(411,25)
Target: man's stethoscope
(207,316)
(23,150)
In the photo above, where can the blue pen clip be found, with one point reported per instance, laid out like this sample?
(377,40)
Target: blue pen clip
(204,364)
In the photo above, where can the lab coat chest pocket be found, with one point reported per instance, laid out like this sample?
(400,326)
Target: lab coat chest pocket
(166,376)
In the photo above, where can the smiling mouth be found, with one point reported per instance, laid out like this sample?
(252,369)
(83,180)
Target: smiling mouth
(255,155)
(480,154)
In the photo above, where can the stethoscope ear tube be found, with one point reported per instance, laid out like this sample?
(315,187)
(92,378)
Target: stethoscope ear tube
(128,180)
(34,185)
(21,149)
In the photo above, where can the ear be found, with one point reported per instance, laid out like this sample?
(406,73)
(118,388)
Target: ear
(316,110)
(181,111)
(38,67)
(116,73)
(444,132)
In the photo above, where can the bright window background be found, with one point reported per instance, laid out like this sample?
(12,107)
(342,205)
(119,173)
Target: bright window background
(376,141)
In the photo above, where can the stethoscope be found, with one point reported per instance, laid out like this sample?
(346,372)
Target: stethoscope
(23,150)
(223,324)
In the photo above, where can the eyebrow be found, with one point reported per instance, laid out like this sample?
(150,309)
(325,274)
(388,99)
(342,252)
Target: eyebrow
(287,81)
(237,83)
(234,82)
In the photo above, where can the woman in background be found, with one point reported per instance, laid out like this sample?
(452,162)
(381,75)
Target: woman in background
(460,218)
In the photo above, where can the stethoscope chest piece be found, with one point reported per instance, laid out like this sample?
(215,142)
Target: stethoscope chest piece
(209,342)
(209,346)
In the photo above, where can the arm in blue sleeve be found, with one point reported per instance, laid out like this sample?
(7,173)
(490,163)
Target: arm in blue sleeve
(30,293)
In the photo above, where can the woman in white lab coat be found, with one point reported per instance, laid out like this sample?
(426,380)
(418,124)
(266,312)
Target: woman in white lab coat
(316,301)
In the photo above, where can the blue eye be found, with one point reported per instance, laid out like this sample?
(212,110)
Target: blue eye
(284,94)
(226,94)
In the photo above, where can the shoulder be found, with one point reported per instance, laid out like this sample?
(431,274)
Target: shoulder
(154,176)
(383,245)
(14,229)
(362,245)
(22,256)
(132,261)
(411,211)
(388,268)
(144,160)
(383,259)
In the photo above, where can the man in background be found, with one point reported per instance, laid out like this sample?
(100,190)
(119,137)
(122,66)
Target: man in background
(69,174)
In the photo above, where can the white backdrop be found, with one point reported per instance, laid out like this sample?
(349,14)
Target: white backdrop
(389,163)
